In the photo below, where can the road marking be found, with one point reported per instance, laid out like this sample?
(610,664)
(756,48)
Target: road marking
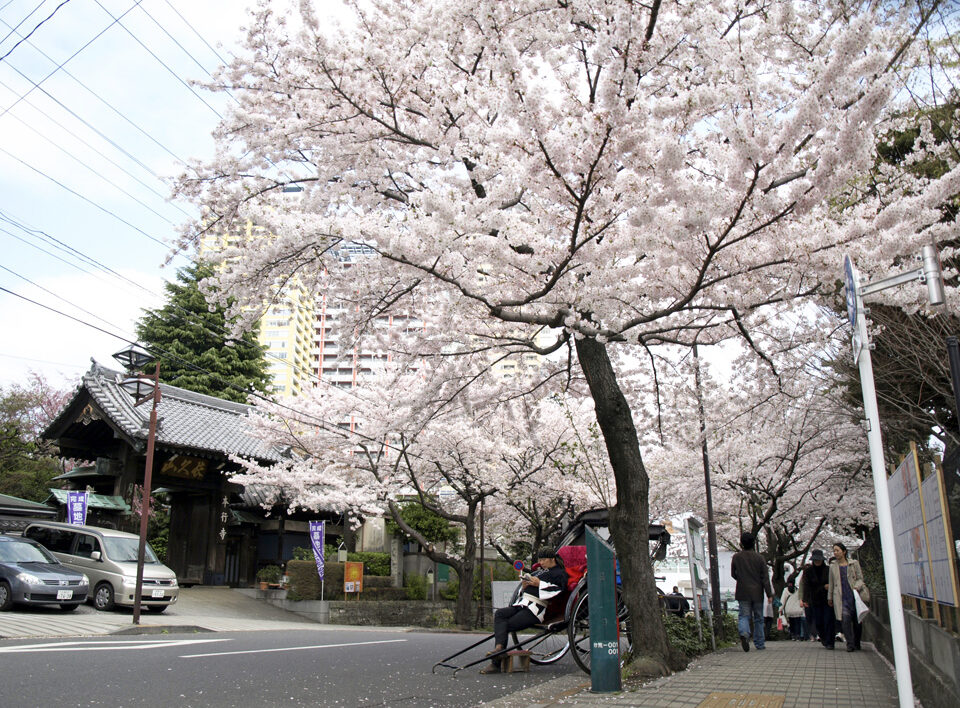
(315,646)
(109,645)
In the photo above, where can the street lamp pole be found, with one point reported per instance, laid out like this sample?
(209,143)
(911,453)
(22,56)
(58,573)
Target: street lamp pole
(711,521)
(929,273)
(147,489)
(133,358)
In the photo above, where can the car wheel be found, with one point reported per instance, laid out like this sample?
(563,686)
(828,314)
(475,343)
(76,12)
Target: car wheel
(69,608)
(157,609)
(103,597)
(6,596)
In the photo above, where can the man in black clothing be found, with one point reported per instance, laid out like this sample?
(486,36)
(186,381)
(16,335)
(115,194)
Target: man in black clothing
(676,603)
(813,594)
(536,589)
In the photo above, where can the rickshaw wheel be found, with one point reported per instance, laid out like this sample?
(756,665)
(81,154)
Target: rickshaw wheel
(579,631)
(548,649)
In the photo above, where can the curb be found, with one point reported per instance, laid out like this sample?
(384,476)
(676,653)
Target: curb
(160,629)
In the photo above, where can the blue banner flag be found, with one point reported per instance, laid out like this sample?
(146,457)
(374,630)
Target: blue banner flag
(317,533)
(77,508)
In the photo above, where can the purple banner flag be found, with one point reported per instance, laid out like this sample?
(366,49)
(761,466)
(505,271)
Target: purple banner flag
(317,533)
(77,508)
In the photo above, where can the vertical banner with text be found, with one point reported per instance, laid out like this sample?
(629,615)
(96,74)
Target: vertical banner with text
(317,534)
(77,508)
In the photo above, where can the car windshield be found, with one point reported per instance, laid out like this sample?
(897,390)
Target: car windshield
(13,552)
(124,550)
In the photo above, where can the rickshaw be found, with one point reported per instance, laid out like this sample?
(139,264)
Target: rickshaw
(567,622)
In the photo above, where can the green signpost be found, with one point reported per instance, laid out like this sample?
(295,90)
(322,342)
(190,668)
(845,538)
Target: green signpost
(604,632)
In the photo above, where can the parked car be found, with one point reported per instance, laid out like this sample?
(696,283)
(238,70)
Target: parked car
(29,574)
(109,557)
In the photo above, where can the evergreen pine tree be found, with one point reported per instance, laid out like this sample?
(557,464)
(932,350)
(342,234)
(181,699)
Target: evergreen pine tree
(192,342)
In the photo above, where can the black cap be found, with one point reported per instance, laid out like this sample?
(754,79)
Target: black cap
(817,555)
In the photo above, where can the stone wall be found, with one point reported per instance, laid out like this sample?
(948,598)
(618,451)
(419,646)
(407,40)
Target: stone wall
(364,613)
(934,653)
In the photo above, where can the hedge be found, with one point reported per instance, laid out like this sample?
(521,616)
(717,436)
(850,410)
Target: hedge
(305,583)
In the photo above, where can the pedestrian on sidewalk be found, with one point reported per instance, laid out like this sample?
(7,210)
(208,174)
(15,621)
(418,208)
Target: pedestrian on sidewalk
(749,569)
(846,578)
(792,610)
(814,585)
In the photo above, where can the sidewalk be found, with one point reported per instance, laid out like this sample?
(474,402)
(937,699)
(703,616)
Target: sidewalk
(785,675)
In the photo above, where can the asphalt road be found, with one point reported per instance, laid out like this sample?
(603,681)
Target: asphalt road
(337,667)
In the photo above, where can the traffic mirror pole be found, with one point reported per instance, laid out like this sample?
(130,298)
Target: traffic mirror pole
(928,273)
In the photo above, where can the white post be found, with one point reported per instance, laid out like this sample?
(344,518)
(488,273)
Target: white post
(898,632)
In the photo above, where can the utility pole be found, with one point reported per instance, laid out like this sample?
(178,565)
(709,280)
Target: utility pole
(716,611)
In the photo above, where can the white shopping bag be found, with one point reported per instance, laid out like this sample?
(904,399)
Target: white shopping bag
(862,608)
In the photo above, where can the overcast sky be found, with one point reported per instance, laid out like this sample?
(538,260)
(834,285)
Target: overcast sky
(95,117)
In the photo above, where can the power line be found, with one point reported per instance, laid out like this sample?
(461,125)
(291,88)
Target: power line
(69,58)
(303,417)
(58,297)
(27,17)
(30,33)
(159,60)
(87,167)
(200,36)
(86,199)
(80,118)
(109,105)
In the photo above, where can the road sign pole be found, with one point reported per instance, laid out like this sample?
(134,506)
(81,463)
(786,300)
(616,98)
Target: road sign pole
(891,572)
(604,631)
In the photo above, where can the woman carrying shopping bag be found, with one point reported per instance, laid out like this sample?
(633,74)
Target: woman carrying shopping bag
(846,578)
(792,610)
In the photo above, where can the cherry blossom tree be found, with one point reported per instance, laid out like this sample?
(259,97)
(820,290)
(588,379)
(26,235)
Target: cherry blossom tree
(536,510)
(367,449)
(575,176)
(787,454)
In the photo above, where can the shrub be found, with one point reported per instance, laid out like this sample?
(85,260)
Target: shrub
(270,574)
(305,583)
(373,563)
(303,554)
(416,587)
(682,632)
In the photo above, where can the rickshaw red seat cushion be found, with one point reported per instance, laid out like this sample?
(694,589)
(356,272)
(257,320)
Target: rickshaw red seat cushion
(575,561)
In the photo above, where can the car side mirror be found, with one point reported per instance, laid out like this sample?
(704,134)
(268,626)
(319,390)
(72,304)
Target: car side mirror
(95,555)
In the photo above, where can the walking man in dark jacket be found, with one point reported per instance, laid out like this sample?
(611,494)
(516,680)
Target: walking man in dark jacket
(749,569)
(813,594)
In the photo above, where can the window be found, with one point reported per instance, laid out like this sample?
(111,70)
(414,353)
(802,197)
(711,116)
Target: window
(86,545)
(54,540)
(23,552)
(124,550)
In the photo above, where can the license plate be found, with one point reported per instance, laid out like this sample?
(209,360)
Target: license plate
(156,593)
(64,594)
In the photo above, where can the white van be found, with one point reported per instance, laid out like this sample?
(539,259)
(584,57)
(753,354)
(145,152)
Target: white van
(109,558)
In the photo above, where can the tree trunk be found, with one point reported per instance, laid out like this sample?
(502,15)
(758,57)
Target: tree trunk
(465,568)
(464,615)
(630,518)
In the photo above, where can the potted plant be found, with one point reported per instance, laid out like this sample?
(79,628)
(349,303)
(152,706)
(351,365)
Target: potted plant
(269,575)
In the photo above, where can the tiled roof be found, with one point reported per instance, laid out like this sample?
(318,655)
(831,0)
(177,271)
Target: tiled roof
(9,503)
(95,501)
(186,419)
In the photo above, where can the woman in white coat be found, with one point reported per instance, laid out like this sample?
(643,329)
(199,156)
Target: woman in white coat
(792,610)
(846,578)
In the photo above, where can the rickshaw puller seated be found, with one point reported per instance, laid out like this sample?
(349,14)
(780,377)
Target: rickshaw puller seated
(536,589)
